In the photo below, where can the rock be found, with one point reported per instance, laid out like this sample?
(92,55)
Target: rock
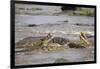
(32,25)
(66,21)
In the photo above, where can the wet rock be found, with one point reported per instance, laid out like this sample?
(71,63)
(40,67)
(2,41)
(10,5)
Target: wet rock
(66,21)
(32,25)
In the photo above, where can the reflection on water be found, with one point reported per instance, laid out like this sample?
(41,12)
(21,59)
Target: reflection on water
(61,25)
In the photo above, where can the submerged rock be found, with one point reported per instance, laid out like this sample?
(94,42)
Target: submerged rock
(32,25)
(66,21)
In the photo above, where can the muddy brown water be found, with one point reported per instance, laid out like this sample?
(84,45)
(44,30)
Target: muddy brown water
(42,57)
(46,22)
(70,54)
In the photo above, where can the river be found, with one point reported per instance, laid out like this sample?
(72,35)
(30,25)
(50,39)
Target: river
(48,20)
